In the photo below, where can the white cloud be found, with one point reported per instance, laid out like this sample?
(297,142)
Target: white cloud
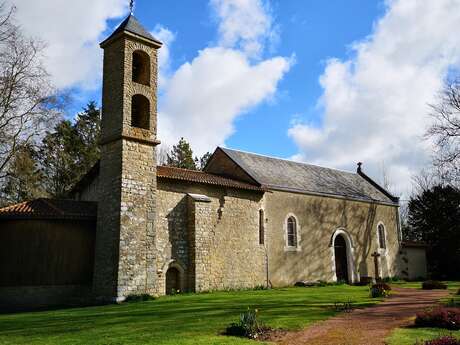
(167,37)
(202,98)
(72,33)
(246,24)
(206,95)
(376,103)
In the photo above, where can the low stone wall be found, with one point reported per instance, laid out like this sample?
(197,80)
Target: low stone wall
(16,298)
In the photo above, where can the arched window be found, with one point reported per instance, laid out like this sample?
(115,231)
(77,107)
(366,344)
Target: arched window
(140,112)
(261,227)
(291,228)
(141,67)
(381,236)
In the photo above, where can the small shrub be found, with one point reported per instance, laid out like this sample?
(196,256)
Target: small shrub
(380,290)
(248,326)
(139,298)
(346,307)
(452,303)
(433,284)
(446,340)
(440,317)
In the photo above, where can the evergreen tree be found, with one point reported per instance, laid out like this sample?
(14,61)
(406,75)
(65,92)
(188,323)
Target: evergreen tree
(66,154)
(24,180)
(201,163)
(434,219)
(181,156)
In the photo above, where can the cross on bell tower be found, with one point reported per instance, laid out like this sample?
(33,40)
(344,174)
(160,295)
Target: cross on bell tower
(125,255)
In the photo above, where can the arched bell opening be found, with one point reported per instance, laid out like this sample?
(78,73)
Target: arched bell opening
(141,67)
(140,112)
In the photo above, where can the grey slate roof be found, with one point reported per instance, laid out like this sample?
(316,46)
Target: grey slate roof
(131,24)
(280,174)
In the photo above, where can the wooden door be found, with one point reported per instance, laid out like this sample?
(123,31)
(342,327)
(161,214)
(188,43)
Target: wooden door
(341,262)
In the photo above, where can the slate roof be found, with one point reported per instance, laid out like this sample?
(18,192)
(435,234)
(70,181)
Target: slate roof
(50,209)
(131,24)
(202,177)
(285,175)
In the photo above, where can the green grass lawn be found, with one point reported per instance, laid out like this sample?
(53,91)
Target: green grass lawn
(409,336)
(186,319)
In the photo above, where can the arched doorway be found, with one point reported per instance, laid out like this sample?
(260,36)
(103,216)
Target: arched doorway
(341,258)
(172,280)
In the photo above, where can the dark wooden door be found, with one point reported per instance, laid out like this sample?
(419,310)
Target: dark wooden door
(172,281)
(341,264)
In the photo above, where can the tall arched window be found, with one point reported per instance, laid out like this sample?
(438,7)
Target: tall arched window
(291,228)
(381,236)
(261,227)
(141,67)
(140,112)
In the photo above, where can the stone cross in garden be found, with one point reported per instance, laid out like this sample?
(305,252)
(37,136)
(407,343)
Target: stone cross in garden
(376,256)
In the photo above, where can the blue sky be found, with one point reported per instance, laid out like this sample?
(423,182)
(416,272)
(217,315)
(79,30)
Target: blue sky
(312,30)
(325,82)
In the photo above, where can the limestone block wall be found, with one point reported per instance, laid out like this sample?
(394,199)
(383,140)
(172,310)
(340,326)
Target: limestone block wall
(318,218)
(216,243)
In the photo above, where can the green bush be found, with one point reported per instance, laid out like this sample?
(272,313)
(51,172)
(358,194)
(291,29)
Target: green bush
(380,290)
(139,298)
(433,284)
(248,326)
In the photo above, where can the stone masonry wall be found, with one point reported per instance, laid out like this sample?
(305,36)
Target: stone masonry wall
(216,243)
(318,218)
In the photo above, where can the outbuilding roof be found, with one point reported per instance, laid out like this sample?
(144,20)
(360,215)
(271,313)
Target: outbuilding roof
(50,209)
(285,175)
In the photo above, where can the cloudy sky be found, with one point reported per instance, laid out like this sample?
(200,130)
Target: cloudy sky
(326,82)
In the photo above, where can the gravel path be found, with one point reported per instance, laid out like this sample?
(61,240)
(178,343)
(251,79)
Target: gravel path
(368,326)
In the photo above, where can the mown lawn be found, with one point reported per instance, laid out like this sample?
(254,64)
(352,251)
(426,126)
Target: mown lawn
(186,319)
(409,336)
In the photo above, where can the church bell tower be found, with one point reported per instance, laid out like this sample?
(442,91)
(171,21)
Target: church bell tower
(124,259)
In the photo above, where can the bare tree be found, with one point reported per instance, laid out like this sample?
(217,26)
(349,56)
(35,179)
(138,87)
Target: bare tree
(162,154)
(25,89)
(445,131)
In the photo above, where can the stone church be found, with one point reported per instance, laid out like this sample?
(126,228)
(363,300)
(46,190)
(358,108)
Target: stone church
(247,220)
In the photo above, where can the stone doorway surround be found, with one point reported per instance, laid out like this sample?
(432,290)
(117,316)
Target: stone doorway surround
(352,275)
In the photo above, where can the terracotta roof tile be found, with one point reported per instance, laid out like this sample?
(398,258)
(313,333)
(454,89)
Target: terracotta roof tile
(50,209)
(202,177)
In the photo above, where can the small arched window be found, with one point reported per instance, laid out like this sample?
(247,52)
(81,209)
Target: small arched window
(381,236)
(291,228)
(141,67)
(140,112)
(261,227)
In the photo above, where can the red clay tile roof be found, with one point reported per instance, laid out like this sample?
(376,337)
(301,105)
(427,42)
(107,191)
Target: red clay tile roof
(177,174)
(50,209)
(202,177)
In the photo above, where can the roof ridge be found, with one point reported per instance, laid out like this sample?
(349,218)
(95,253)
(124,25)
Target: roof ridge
(288,160)
(184,169)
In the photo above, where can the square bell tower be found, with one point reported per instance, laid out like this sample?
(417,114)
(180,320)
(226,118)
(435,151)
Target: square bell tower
(125,257)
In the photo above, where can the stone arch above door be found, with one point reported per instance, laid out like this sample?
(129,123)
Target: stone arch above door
(352,276)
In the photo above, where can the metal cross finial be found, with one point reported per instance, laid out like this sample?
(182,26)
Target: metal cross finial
(131,6)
